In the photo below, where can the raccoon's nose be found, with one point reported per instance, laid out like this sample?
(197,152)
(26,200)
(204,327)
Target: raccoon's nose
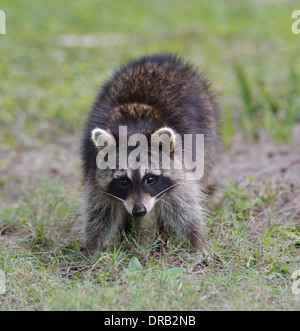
(139,211)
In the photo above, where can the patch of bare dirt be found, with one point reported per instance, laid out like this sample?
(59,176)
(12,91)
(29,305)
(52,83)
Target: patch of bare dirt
(91,40)
(279,165)
(22,170)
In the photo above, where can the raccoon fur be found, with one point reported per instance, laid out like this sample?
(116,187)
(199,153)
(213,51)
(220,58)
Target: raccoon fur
(156,93)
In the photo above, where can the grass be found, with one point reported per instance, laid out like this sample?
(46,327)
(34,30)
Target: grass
(249,53)
(246,270)
(51,86)
(264,110)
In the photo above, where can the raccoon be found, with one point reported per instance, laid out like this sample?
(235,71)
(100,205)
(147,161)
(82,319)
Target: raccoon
(154,94)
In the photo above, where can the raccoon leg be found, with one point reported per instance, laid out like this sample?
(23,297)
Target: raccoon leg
(195,235)
(95,232)
(163,232)
(185,217)
(102,226)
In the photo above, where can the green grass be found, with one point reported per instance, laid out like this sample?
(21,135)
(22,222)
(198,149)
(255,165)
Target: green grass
(45,270)
(252,59)
(51,86)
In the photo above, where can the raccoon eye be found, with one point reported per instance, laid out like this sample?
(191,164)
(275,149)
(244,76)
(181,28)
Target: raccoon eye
(150,180)
(124,182)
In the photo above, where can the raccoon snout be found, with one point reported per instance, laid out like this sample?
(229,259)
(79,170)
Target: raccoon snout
(139,211)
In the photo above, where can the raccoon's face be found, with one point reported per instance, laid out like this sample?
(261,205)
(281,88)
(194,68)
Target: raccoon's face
(139,190)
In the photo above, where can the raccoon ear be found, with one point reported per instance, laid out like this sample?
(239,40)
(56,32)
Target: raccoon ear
(172,135)
(99,136)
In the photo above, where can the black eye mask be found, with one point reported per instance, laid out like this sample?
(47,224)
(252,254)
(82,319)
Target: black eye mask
(120,187)
(160,184)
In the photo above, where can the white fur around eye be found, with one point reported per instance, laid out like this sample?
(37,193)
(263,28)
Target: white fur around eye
(154,172)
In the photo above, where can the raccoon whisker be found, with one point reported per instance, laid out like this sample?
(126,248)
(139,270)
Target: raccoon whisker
(112,196)
(160,193)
